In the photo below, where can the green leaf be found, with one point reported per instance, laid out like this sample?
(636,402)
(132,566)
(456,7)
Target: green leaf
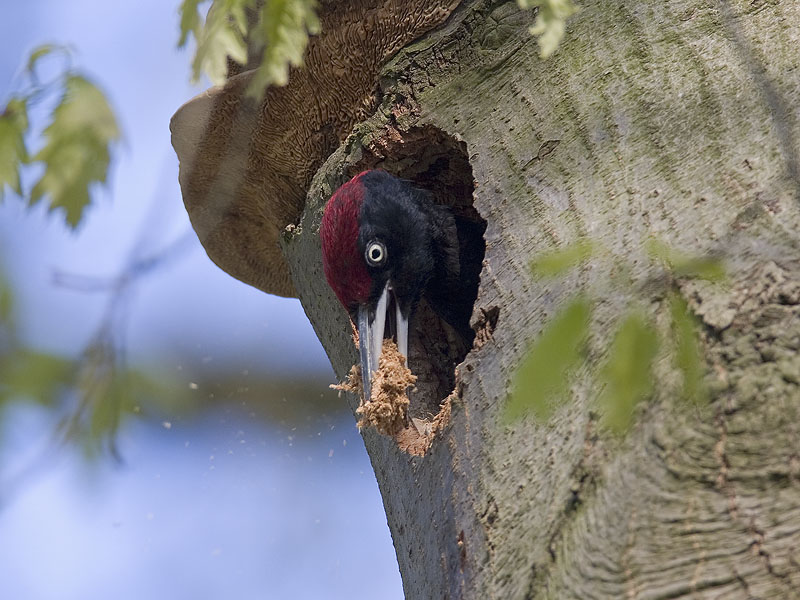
(544,374)
(190,20)
(658,249)
(113,397)
(685,266)
(688,356)
(283,30)
(709,269)
(281,34)
(6,302)
(13,126)
(550,22)
(222,36)
(37,53)
(35,376)
(559,261)
(77,150)
(627,374)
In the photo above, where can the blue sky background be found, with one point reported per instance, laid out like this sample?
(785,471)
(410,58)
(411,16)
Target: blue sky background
(217,505)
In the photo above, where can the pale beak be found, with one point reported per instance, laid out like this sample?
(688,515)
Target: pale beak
(371,326)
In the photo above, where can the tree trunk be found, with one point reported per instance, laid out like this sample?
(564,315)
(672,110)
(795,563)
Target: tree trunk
(674,120)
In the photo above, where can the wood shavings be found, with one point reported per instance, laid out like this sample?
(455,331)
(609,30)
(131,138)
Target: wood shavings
(388,410)
(417,438)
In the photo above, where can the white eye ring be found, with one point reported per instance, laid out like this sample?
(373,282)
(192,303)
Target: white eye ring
(375,253)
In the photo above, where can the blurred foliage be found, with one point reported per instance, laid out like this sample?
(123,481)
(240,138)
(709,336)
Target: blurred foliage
(77,151)
(543,377)
(626,377)
(92,393)
(292,402)
(282,30)
(278,36)
(550,23)
(13,153)
(74,154)
(557,262)
(684,266)
(6,312)
(33,376)
(687,350)
(219,36)
(77,142)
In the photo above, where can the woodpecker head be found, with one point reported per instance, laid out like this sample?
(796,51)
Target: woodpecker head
(377,237)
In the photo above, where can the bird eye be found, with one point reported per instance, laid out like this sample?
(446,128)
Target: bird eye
(376,253)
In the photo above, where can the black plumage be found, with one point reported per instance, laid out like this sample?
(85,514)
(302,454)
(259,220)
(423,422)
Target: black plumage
(432,252)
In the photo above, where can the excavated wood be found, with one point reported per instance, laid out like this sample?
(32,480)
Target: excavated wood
(245,167)
(673,120)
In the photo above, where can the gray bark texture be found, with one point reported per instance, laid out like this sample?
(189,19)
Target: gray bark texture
(675,120)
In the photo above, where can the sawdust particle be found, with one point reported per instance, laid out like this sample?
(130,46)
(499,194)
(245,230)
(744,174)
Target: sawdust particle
(351,383)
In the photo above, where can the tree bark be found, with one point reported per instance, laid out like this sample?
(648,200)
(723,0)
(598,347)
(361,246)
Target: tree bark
(675,120)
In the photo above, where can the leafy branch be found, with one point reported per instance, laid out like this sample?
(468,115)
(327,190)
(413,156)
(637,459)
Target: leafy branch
(544,374)
(77,142)
(626,376)
(275,31)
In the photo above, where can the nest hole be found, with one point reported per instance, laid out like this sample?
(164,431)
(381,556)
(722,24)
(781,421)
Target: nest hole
(437,162)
